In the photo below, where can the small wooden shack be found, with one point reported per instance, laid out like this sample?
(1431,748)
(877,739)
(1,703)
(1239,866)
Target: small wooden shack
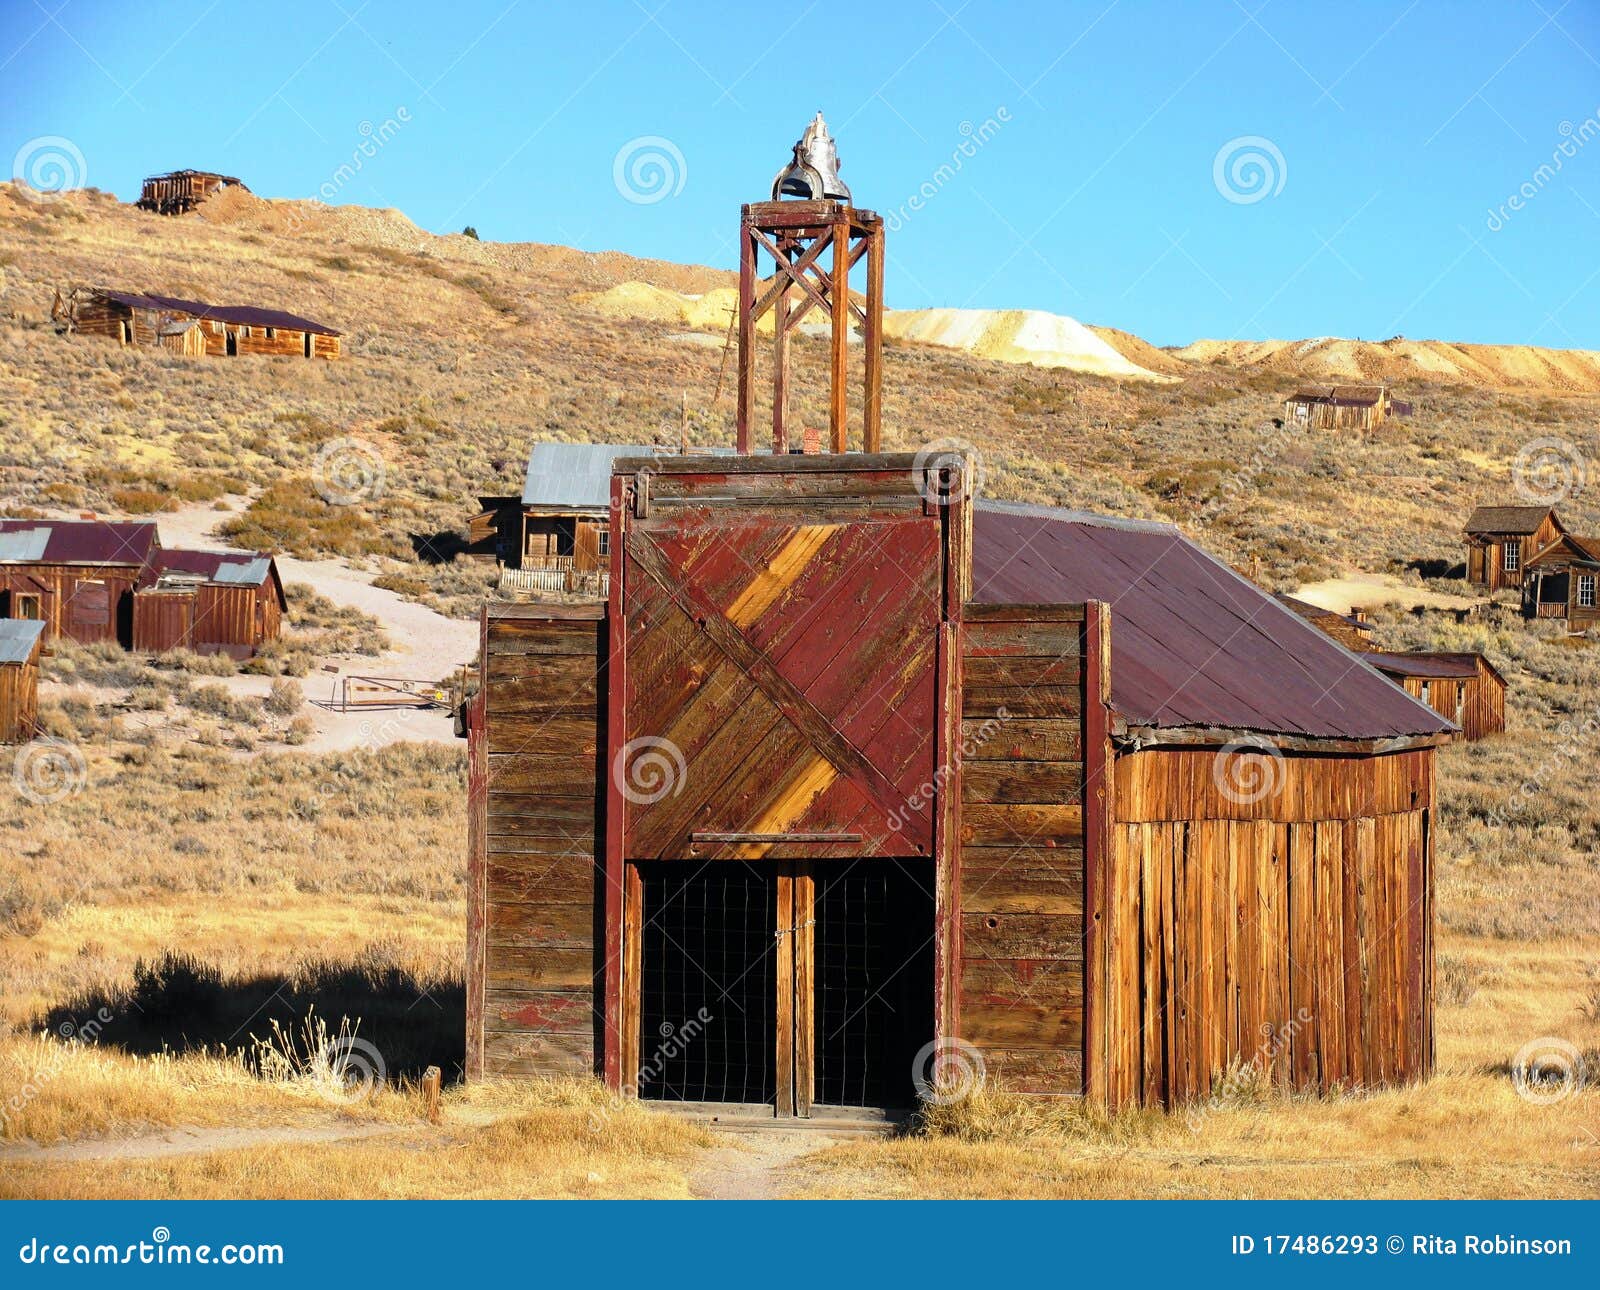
(180,191)
(1360,407)
(192,326)
(851,781)
(75,576)
(211,602)
(21,643)
(1351,630)
(1501,540)
(1466,688)
(1562,580)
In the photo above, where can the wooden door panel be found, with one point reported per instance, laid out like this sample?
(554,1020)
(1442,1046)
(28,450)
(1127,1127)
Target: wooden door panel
(788,672)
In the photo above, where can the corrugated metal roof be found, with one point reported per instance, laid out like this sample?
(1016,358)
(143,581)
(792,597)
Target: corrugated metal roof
(574,476)
(1506,519)
(1193,644)
(240,315)
(20,546)
(82,541)
(1312,613)
(228,568)
(18,636)
(1425,664)
(1344,396)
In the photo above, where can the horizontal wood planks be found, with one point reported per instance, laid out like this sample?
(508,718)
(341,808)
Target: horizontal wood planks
(536,836)
(1299,946)
(1021,865)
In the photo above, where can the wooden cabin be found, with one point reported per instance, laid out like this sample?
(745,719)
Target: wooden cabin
(843,788)
(180,191)
(1501,540)
(192,326)
(1351,630)
(211,602)
(1359,407)
(21,643)
(1466,688)
(75,576)
(1562,580)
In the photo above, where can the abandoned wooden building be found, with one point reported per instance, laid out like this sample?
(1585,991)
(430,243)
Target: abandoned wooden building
(75,576)
(1561,582)
(1351,630)
(841,784)
(1464,687)
(211,602)
(180,191)
(1360,407)
(556,534)
(1501,540)
(191,326)
(103,580)
(21,643)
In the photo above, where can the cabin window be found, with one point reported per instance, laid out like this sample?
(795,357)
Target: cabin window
(127,333)
(1586,591)
(1511,556)
(308,344)
(605,541)
(27,605)
(272,333)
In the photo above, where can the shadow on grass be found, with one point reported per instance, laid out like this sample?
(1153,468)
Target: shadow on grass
(180,1004)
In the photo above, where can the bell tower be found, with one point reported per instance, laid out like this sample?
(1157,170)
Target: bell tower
(810,216)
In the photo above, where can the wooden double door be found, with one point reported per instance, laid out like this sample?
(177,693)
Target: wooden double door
(781,985)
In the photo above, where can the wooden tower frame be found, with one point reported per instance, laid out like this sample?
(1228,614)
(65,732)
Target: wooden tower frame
(797,234)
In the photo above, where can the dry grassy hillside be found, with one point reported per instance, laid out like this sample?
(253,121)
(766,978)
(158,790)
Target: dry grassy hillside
(461,353)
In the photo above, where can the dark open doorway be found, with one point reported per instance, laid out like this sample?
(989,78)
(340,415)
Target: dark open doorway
(784,984)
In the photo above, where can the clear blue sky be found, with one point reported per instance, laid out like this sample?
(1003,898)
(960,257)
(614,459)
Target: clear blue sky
(1402,129)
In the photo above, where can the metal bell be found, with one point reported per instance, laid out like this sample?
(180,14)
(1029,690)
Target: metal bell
(813,175)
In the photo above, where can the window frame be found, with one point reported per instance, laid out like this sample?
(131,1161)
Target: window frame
(1587,582)
(1511,557)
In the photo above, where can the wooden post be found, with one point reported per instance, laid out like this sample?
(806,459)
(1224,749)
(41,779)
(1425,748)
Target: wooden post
(747,332)
(430,1095)
(780,366)
(872,401)
(839,298)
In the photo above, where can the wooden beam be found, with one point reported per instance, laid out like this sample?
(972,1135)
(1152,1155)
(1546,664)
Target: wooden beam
(804,263)
(745,413)
(838,406)
(614,821)
(780,370)
(872,404)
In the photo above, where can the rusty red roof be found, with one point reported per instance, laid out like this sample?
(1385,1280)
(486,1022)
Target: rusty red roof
(224,568)
(1193,644)
(240,315)
(100,542)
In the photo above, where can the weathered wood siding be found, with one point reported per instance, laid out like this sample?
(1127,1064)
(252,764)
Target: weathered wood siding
(1486,555)
(1021,868)
(80,602)
(1269,911)
(163,620)
(535,883)
(19,700)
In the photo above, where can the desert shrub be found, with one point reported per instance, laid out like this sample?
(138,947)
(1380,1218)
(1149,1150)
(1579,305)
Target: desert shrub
(290,516)
(140,501)
(285,698)
(217,701)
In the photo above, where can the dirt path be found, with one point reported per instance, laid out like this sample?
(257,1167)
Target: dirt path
(1366,590)
(752,1166)
(425,646)
(186,1141)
